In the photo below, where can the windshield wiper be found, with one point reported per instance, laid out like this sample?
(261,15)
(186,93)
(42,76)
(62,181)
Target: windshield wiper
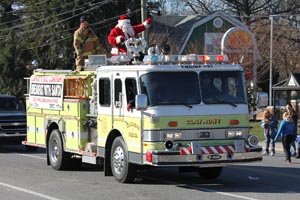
(172,102)
(181,102)
(225,102)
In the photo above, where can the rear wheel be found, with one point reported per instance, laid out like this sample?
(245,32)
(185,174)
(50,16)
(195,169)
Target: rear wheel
(123,171)
(210,172)
(59,159)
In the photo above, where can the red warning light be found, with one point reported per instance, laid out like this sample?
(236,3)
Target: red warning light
(205,58)
(220,58)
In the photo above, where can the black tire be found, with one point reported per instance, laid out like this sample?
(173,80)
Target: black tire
(31,148)
(59,159)
(210,172)
(123,171)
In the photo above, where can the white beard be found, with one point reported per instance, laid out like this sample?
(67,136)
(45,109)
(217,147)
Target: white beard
(127,29)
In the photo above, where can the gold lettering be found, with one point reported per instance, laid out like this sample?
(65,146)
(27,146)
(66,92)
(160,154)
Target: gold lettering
(132,134)
(132,124)
(203,121)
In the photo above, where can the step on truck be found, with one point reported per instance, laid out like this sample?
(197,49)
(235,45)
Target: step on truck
(188,111)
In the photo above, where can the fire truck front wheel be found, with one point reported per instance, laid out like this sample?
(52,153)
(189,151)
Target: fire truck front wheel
(59,159)
(210,172)
(123,171)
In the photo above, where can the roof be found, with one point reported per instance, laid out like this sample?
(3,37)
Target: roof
(169,20)
(291,83)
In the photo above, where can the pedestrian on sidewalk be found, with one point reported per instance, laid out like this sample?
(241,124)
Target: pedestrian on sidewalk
(293,113)
(287,133)
(269,124)
(298,146)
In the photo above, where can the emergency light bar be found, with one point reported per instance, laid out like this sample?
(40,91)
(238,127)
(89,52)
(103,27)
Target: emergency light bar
(184,59)
(119,59)
(173,59)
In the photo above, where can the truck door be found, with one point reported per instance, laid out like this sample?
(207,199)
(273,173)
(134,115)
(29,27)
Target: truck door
(132,119)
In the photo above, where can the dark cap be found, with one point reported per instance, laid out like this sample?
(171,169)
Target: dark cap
(82,18)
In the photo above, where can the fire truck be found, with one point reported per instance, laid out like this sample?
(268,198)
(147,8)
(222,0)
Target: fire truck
(188,111)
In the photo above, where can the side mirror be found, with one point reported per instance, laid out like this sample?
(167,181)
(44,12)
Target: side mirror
(141,102)
(261,99)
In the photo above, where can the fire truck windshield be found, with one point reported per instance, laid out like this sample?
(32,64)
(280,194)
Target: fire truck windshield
(171,88)
(184,88)
(222,87)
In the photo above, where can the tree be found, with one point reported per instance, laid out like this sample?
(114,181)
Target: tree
(43,30)
(11,58)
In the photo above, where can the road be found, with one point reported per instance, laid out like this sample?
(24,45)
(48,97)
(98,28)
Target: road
(26,176)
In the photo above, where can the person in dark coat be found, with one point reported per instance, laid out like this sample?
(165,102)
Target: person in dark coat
(287,132)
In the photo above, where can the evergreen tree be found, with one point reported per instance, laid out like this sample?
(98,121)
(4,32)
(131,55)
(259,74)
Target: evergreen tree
(43,31)
(12,58)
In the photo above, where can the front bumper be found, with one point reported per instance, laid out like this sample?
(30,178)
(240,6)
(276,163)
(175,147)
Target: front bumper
(175,158)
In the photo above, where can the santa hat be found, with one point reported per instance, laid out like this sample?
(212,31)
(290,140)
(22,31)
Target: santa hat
(123,19)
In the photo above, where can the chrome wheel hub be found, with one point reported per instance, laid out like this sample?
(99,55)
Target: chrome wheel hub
(118,160)
(54,152)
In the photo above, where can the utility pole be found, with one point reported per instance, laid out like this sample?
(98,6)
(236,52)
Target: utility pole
(271,60)
(143,18)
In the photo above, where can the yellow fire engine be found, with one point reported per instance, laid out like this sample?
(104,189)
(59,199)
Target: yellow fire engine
(188,111)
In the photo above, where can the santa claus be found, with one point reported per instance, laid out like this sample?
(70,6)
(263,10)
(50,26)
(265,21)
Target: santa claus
(123,31)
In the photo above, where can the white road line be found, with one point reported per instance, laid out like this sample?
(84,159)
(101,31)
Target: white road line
(26,155)
(28,191)
(31,156)
(218,192)
(201,188)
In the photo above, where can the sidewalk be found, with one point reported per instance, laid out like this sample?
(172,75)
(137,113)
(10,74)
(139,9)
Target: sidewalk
(278,146)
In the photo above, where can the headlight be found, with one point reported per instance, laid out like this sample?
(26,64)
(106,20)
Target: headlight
(234,133)
(169,136)
(176,136)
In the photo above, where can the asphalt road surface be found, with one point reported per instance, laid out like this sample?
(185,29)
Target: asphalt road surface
(25,175)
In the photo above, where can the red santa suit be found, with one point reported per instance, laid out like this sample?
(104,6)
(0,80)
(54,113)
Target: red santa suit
(124,30)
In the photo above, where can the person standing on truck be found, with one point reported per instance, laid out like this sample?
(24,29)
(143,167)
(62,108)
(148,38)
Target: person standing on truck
(287,132)
(269,124)
(85,43)
(123,31)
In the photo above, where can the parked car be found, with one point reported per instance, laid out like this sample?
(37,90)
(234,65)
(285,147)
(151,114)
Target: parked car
(12,120)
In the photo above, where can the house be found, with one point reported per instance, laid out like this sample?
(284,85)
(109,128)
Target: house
(216,33)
